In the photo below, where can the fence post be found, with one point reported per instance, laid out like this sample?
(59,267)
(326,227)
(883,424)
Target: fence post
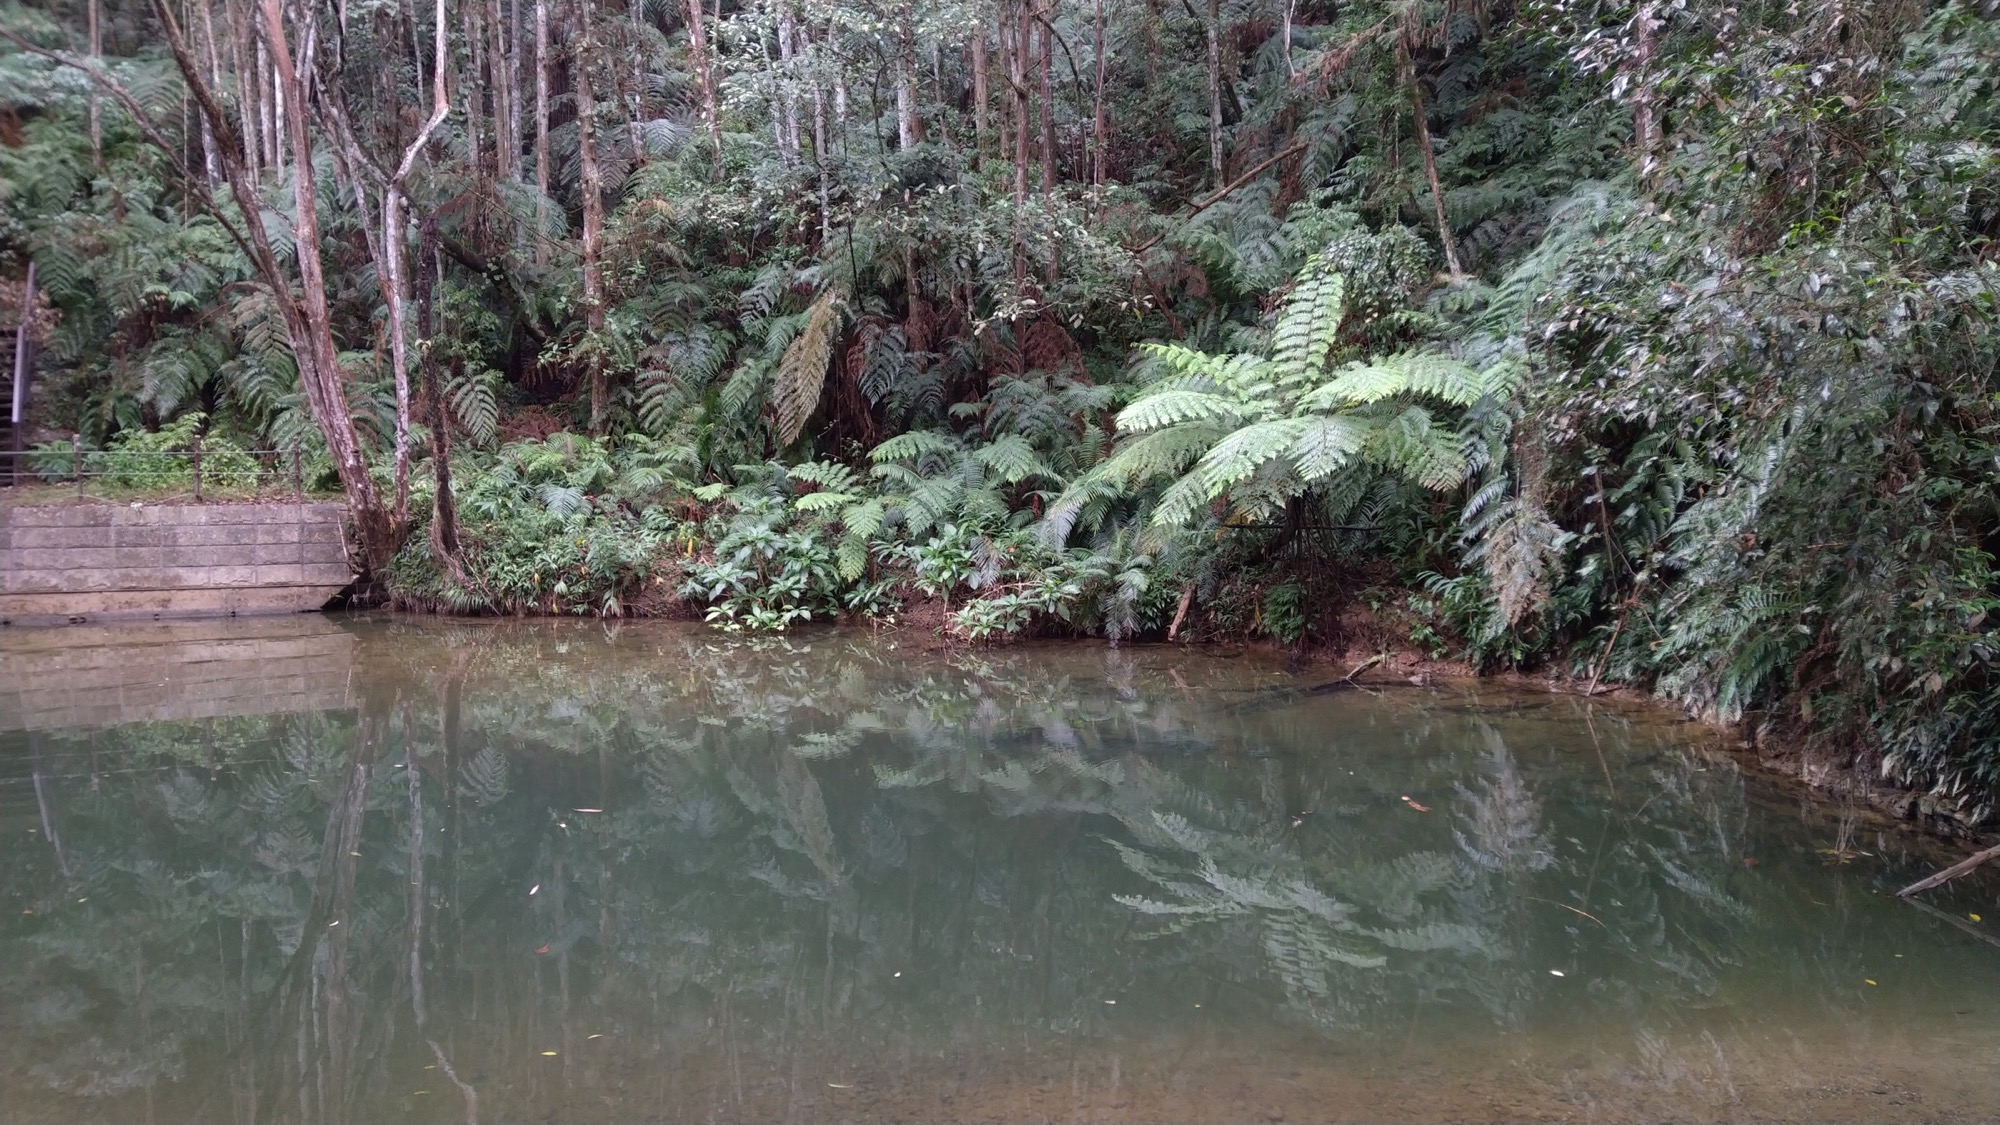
(197,468)
(298,473)
(76,461)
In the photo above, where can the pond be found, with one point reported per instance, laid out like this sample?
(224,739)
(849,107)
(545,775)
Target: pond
(382,869)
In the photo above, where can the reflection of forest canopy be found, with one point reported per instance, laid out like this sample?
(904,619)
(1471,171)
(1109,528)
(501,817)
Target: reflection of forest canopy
(784,827)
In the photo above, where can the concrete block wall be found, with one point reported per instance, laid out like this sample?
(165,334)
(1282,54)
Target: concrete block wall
(91,561)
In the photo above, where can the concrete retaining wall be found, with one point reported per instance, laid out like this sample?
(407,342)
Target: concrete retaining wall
(86,561)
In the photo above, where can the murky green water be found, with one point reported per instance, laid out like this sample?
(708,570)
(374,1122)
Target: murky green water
(384,870)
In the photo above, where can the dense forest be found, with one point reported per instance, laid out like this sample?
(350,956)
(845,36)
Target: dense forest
(1648,342)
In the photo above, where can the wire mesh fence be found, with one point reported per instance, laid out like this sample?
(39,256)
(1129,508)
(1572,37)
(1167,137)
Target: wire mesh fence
(225,472)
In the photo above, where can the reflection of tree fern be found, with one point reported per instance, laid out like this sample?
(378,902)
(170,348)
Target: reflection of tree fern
(483,777)
(1503,819)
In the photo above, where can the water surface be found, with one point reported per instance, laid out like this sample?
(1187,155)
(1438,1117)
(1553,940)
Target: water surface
(380,869)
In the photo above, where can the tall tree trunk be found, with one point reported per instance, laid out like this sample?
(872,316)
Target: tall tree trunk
(1045,20)
(908,131)
(635,100)
(592,187)
(211,165)
(1409,74)
(704,69)
(542,185)
(444,505)
(325,388)
(822,154)
(1214,32)
(93,15)
(506,114)
(1291,13)
(395,291)
(787,107)
(1017,80)
(1645,119)
(470,86)
(243,59)
(980,95)
(1097,124)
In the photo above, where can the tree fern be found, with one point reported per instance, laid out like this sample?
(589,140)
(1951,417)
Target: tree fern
(1257,430)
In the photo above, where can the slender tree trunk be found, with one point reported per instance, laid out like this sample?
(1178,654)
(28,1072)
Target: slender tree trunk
(395,291)
(1645,120)
(470,86)
(1291,13)
(242,60)
(1045,20)
(1097,124)
(444,506)
(269,159)
(786,108)
(908,131)
(211,165)
(592,186)
(506,114)
(1017,79)
(981,125)
(822,154)
(1214,30)
(542,185)
(94,18)
(1429,156)
(704,70)
(635,98)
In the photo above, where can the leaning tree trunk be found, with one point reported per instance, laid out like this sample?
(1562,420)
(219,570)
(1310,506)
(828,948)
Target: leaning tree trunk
(318,360)
(1409,75)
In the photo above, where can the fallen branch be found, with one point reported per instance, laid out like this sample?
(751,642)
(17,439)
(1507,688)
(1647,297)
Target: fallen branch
(1362,667)
(1950,873)
(1219,195)
(1953,920)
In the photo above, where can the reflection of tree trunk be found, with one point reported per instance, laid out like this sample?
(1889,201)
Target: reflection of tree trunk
(340,848)
(47,809)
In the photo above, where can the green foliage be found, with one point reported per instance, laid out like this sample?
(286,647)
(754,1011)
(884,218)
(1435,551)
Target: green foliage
(1255,432)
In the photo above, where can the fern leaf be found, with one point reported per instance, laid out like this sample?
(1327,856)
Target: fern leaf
(1171,407)
(802,372)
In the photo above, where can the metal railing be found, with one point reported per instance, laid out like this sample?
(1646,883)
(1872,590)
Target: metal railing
(192,473)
